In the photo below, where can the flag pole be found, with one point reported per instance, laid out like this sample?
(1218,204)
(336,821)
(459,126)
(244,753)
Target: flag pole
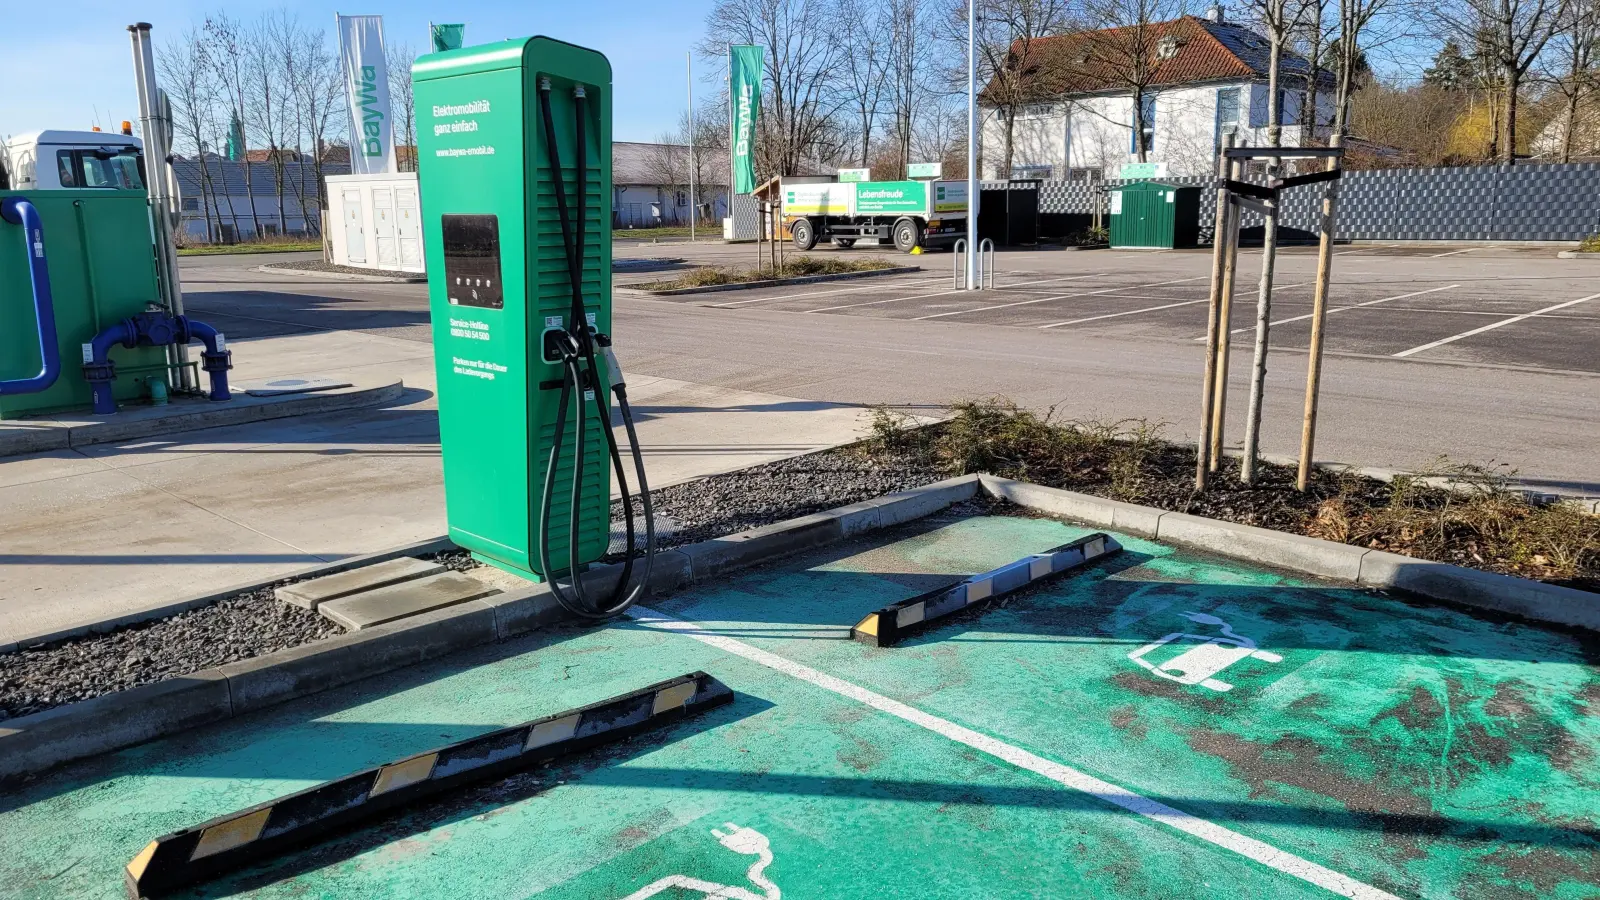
(694,210)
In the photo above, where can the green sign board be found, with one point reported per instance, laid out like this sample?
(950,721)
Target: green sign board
(890,197)
(854,175)
(925,170)
(1131,171)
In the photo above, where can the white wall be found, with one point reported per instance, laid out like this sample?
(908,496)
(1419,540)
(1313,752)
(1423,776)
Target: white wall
(375,222)
(1096,132)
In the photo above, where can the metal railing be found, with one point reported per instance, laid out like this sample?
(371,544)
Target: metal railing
(985,272)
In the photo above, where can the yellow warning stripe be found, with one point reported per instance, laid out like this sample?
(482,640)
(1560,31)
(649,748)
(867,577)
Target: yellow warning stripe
(230,834)
(404,773)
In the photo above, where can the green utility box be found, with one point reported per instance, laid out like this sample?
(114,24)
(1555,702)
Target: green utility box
(498,280)
(1149,215)
(98,251)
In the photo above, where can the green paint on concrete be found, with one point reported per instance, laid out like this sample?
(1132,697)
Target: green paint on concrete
(1424,751)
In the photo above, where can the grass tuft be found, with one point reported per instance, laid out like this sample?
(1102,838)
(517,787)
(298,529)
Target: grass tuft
(797,267)
(1459,513)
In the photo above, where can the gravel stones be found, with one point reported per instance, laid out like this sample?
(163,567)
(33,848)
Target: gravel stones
(254,623)
(239,627)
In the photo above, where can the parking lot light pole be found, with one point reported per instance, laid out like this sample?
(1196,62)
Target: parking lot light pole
(972,145)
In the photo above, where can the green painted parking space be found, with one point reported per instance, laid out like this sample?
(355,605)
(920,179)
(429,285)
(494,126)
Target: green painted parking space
(1162,725)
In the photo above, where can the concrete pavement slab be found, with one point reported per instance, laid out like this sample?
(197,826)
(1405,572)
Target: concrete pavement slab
(408,598)
(309,594)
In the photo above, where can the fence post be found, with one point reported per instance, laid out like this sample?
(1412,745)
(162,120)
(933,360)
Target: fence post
(1219,413)
(1219,241)
(1319,313)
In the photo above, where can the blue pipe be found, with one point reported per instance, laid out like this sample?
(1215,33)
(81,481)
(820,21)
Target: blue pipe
(154,329)
(216,358)
(19,211)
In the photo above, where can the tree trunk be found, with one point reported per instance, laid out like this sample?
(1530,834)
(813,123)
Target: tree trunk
(1011,121)
(1513,81)
(1572,123)
(1274,104)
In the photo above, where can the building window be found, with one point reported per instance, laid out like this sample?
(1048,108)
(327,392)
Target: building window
(1228,106)
(1086,175)
(1148,102)
(682,198)
(191,204)
(1027,173)
(1038,111)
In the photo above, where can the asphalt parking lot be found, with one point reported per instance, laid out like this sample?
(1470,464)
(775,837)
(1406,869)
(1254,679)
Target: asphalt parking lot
(1479,305)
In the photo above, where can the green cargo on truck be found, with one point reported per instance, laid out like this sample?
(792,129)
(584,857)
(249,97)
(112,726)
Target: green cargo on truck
(907,214)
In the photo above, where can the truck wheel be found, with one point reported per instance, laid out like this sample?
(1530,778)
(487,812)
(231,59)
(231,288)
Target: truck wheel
(805,237)
(844,243)
(907,235)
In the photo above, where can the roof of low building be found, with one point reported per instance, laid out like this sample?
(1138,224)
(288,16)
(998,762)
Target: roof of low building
(1090,62)
(228,176)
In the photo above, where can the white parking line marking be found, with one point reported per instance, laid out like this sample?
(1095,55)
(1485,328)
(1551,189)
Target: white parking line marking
(1134,312)
(1061,297)
(1343,308)
(1454,252)
(1493,325)
(1194,826)
(942,293)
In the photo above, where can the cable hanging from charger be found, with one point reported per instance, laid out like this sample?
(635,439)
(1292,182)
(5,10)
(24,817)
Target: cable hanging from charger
(575,344)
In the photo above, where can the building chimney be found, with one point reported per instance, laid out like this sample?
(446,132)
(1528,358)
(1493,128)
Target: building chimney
(1214,13)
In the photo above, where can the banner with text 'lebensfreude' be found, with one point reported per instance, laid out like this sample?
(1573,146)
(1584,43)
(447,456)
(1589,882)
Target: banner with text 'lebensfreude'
(745,63)
(366,80)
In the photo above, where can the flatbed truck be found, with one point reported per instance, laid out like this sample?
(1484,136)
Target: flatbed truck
(907,214)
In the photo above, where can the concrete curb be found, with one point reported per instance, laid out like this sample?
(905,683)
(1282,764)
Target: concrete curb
(1530,600)
(101,626)
(55,436)
(30,744)
(773,282)
(1577,254)
(343,276)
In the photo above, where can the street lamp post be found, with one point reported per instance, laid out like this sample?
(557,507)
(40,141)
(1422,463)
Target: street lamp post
(972,145)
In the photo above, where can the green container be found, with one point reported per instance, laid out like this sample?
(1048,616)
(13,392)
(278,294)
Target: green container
(1149,215)
(497,280)
(101,260)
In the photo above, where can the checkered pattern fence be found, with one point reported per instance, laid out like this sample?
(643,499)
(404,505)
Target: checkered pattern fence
(1530,202)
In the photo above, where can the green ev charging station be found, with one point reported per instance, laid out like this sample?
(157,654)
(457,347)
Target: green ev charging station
(514,171)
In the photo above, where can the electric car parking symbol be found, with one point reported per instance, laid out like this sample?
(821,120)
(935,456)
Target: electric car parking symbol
(1198,665)
(747,841)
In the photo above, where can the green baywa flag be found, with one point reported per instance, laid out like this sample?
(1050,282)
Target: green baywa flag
(448,37)
(745,64)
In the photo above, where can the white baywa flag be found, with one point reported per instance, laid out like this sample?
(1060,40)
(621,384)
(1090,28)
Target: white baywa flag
(367,82)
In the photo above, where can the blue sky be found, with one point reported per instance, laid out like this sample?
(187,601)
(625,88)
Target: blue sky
(74,62)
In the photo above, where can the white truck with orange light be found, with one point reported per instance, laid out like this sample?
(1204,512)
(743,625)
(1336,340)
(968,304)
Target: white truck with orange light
(907,214)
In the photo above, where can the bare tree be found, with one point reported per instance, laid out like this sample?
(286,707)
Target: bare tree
(400,59)
(1511,33)
(865,69)
(266,73)
(804,49)
(187,77)
(1312,33)
(1277,19)
(319,95)
(227,55)
(1010,45)
(908,66)
(1125,52)
(1350,45)
(1575,75)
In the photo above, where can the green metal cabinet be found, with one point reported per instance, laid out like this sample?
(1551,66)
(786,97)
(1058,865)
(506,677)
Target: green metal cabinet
(1149,215)
(497,280)
(98,251)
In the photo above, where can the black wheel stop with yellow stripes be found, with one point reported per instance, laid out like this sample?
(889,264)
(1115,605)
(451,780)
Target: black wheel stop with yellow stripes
(897,621)
(250,835)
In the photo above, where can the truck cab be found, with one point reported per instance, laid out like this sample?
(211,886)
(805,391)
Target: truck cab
(56,160)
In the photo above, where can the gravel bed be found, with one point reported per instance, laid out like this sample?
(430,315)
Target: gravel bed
(255,622)
(317,265)
(240,627)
